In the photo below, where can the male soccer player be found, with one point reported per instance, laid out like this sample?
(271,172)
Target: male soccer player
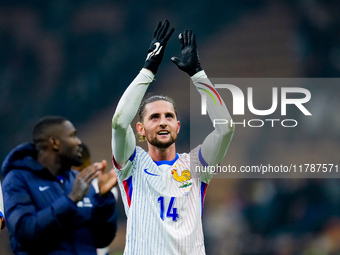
(50,208)
(162,194)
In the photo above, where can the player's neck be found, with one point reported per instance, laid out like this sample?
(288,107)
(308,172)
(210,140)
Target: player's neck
(158,154)
(51,163)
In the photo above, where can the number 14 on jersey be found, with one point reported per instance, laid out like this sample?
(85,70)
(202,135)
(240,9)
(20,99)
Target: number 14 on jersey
(171,210)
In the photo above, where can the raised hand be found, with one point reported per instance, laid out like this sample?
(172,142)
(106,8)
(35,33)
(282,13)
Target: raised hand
(106,181)
(189,61)
(161,36)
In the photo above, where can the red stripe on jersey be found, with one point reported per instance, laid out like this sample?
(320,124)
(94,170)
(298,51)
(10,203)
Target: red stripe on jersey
(115,163)
(128,189)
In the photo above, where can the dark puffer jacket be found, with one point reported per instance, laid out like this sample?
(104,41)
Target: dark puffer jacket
(40,216)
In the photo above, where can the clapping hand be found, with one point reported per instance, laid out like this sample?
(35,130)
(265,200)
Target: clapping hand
(106,181)
(82,182)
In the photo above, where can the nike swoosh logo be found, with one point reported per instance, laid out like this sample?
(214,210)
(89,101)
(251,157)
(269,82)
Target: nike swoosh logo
(146,171)
(156,51)
(43,188)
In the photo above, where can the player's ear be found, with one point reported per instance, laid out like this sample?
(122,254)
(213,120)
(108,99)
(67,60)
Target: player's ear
(140,131)
(140,128)
(54,143)
(178,126)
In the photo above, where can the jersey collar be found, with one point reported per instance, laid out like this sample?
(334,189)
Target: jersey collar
(167,162)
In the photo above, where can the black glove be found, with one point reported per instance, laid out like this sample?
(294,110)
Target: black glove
(189,62)
(156,50)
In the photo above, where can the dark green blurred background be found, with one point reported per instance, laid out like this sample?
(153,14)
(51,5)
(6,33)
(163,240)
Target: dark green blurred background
(75,58)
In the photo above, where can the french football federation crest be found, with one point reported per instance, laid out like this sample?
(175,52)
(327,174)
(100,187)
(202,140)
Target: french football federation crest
(184,177)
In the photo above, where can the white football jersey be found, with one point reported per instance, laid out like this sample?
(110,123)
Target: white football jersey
(163,202)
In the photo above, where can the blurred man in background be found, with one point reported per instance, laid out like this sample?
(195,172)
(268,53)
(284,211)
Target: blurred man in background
(50,208)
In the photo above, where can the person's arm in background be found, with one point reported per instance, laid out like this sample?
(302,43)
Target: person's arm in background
(104,214)
(2,222)
(215,145)
(104,217)
(123,138)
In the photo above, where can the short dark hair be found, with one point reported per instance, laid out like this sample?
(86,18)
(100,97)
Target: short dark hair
(39,133)
(153,98)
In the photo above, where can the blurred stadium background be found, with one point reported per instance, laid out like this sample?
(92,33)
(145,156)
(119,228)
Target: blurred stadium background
(75,58)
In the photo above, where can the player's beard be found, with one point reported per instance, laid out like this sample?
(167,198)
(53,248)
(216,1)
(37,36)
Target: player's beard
(71,161)
(71,156)
(162,145)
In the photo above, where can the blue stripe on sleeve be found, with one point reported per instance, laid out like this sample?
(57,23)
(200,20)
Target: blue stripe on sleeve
(133,155)
(200,157)
(129,182)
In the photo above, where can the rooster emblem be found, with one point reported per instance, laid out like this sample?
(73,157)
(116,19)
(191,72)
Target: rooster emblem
(183,178)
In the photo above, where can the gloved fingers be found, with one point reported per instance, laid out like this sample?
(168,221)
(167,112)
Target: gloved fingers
(193,40)
(185,38)
(169,34)
(189,34)
(188,38)
(155,32)
(181,40)
(175,60)
(163,29)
